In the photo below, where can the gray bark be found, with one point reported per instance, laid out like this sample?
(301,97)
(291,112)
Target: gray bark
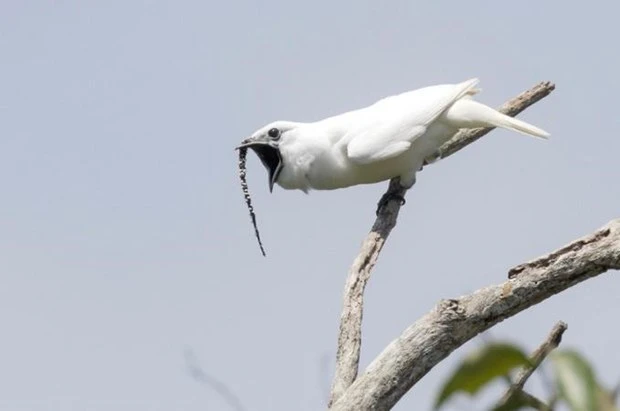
(454,322)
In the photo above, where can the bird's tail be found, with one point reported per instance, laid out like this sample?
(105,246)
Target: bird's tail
(467,113)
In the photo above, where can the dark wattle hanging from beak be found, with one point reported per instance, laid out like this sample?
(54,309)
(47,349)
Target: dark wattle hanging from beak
(246,194)
(269,154)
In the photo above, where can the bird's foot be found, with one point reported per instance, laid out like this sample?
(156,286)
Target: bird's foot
(389,196)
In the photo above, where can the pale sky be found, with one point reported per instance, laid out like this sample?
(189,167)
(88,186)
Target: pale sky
(124,238)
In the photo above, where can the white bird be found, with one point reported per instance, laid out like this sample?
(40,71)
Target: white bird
(393,137)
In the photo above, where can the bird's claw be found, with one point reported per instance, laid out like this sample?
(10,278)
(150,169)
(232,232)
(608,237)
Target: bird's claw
(387,197)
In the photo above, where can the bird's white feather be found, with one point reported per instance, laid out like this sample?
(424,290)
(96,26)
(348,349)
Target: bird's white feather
(390,126)
(467,113)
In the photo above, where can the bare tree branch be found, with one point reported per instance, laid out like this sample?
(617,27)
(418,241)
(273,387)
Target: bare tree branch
(453,322)
(553,340)
(200,376)
(349,338)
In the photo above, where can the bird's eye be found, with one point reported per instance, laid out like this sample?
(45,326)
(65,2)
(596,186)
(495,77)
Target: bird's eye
(274,133)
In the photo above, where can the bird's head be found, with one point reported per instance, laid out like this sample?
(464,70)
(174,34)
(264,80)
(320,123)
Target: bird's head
(266,143)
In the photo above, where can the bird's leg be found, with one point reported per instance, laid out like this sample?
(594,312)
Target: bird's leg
(395,192)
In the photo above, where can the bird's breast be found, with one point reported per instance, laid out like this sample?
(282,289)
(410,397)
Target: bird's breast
(329,173)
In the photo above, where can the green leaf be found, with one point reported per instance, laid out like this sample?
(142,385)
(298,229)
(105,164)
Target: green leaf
(481,367)
(516,402)
(575,380)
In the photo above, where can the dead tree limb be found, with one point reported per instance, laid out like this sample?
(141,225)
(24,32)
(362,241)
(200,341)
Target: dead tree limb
(454,322)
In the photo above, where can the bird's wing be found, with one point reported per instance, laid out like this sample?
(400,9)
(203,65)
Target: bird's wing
(389,127)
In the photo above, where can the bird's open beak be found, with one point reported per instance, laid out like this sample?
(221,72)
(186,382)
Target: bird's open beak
(269,154)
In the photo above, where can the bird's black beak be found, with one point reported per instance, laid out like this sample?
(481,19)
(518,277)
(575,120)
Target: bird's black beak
(269,154)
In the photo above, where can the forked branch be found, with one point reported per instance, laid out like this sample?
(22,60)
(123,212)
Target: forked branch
(454,322)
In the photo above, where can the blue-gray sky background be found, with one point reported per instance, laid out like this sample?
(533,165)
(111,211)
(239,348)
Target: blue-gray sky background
(124,238)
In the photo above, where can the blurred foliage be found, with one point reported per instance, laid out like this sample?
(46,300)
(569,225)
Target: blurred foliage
(480,368)
(575,386)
